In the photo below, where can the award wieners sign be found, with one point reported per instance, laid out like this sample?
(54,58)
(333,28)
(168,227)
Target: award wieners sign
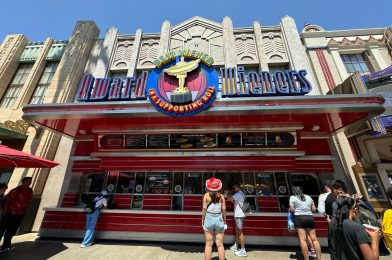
(185,83)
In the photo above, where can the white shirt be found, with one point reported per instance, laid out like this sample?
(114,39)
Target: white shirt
(302,208)
(100,201)
(321,202)
(239,198)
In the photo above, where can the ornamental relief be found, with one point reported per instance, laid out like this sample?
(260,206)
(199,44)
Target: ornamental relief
(20,126)
(123,54)
(148,52)
(274,47)
(245,48)
(199,37)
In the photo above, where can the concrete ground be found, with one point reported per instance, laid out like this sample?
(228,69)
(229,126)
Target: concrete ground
(29,247)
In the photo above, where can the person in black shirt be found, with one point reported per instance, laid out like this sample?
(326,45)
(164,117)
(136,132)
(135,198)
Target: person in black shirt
(338,188)
(350,239)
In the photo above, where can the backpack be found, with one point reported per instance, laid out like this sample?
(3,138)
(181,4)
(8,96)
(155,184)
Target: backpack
(90,206)
(367,216)
(245,206)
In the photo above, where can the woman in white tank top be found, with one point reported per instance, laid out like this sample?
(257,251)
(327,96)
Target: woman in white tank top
(214,218)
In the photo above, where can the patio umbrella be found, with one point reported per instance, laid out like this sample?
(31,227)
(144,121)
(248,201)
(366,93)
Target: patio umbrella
(10,158)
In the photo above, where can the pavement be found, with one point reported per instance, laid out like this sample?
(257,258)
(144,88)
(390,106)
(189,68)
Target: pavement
(29,246)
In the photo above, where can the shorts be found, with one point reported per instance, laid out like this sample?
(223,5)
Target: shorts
(304,221)
(213,223)
(239,223)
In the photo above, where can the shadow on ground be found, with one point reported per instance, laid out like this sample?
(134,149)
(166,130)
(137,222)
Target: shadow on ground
(33,250)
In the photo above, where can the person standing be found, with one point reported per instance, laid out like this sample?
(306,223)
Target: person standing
(92,218)
(3,188)
(350,239)
(302,205)
(16,203)
(338,188)
(214,218)
(238,199)
(323,197)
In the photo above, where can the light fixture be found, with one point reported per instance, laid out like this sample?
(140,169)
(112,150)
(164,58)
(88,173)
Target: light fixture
(82,132)
(315,128)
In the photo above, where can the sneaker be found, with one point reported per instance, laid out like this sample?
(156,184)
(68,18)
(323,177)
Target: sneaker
(312,254)
(7,249)
(234,247)
(83,246)
(241,252)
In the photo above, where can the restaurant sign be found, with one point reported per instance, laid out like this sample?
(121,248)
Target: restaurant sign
(185,83)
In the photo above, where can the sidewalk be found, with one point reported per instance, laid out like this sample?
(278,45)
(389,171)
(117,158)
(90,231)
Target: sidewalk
(29,247)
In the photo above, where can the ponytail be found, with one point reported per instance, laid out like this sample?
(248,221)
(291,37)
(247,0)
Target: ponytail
(345,204)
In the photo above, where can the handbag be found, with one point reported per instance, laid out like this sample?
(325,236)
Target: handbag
(290,222)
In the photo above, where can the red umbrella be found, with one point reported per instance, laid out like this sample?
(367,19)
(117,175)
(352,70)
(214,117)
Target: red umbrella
(10,158)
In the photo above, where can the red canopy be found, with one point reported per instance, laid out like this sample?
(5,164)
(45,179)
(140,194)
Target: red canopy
(10,158)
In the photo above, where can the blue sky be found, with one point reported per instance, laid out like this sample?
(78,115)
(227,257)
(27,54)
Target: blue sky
(40,19)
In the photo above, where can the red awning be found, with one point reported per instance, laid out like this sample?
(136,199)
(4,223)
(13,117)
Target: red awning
(10,158)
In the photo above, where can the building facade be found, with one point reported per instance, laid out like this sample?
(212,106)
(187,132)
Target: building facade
(150,117)
(357,61)
(36,73)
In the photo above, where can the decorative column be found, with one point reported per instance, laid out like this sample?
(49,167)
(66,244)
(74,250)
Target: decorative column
(297,54)
(164,42)
(339,63)
(229,43)
(63,89)
(379,61)
(107,50)
(10,51)
(263,62)
(135,53)
(35,74)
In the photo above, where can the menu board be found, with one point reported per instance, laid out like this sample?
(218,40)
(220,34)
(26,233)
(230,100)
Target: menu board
(135,141)
(280,139)
(199,141)
(158,141)
(254,139)
(190,141)
(111,142)
(229,140)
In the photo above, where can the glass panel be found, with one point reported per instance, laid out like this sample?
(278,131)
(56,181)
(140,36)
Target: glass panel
(139,184)
(178,182)
(350,68)
(206,176)
(193,183)
(252,202)
(281,183)
(94,183)
(126,182)
(249,183)
(111,183)
(357,67)
(359,57)
(229,179)
(158,183)
(364,67)
(265,184)
(307,182)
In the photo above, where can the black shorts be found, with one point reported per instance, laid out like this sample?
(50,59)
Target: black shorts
(304,221)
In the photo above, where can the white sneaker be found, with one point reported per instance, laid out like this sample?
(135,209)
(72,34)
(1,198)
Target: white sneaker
(241,252)
(234,248)
(312,254)
(83,246)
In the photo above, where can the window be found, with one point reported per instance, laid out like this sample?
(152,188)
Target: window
(355,63)
(16,85)
(44,82)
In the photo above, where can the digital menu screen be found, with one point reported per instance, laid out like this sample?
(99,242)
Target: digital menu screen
(135,141)
(158,141)
(229,140)
(254,139)
(189,141)
(111,142)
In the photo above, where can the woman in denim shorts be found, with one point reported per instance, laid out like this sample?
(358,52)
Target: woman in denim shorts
(214,218)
